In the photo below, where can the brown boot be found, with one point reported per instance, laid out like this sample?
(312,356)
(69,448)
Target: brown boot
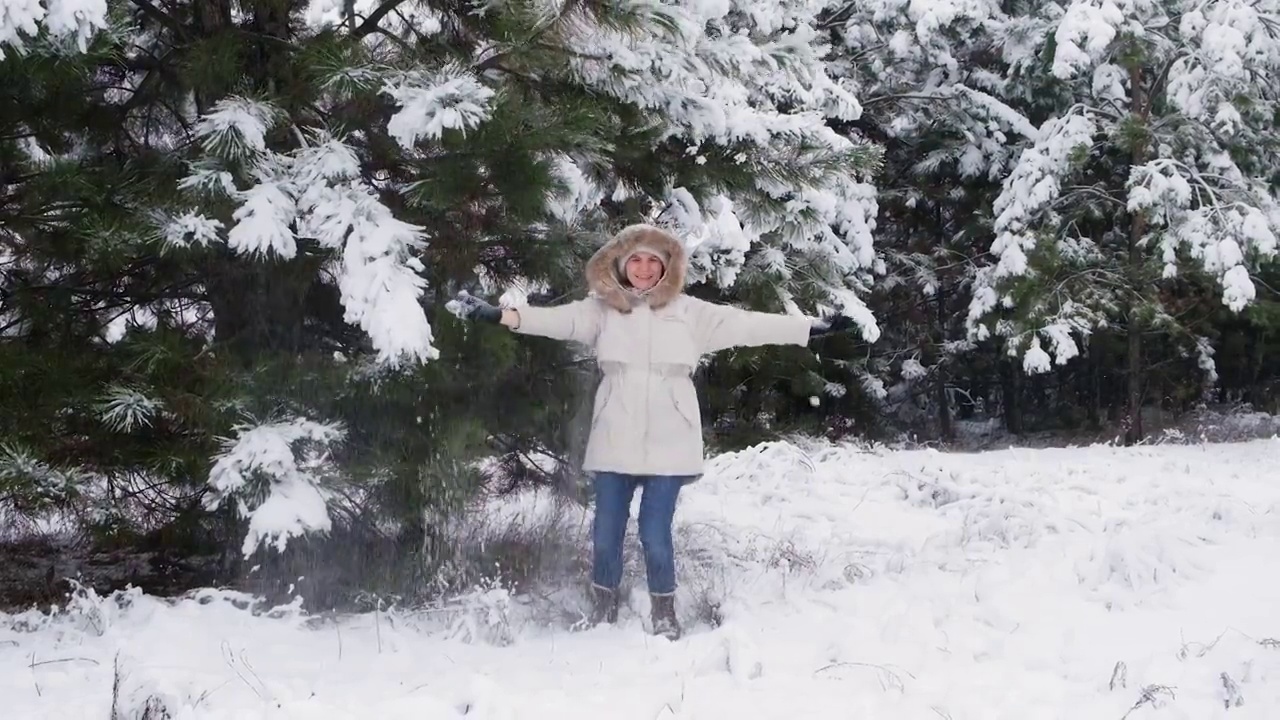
(604,605)
(663,615)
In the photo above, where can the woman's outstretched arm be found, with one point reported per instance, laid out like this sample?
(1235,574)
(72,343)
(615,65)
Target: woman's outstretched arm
(577,321)
(719,327)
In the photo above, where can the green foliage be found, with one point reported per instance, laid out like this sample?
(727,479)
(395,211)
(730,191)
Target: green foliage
(127,359)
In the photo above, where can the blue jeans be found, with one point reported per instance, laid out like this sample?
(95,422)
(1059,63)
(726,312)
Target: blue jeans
(613,511)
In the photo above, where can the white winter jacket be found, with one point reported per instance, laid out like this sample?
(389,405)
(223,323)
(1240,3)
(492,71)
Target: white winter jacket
(646,419)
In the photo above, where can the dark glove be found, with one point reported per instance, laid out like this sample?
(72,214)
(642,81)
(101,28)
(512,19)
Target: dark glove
(830,326)
(469,307)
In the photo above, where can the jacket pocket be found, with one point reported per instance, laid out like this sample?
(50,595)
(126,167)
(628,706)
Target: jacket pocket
(604,393)
(688,414)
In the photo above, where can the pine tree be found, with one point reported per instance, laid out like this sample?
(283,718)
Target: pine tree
(931,82)
(1152,171)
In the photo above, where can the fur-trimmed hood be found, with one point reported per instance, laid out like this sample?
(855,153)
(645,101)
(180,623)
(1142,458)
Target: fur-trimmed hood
(602,268)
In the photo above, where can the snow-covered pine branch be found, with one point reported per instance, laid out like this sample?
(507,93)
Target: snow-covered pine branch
(451,99)
(318,192)
(273,473)
(74,21)
(264,221)
(1216,220)
(379,280)
(1029,193)
(236,128)
(124,409)
(187,229)
(32,483)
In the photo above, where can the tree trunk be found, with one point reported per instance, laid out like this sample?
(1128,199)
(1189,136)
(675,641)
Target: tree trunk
(1137,228)
(1255,383)
(1097,362)
(945,426)
(1133,411)
(1012,391)
(259,305)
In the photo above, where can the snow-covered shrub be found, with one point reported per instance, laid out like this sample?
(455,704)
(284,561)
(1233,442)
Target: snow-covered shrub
(140,692)
(482,614)
(1221,424)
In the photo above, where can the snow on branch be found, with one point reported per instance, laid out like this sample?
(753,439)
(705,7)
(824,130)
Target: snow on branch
(327,160)
(189,228)
(1027,195)
(578,195)
(272,472)
(26,477)
(715,73)
(720,232)
(1033,186)
(451,99)
(716,238)
(1217,216)
(1060,330)
(125,409)
(1084,35)
(264,222)
(1235,38)
(316,192)
(208,178)
(76,20)
(237,128)
(997,109)
(379,281)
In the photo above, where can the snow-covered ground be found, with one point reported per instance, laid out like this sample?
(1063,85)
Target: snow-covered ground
(1091,583)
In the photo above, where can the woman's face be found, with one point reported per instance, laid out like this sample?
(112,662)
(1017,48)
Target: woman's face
(644,270)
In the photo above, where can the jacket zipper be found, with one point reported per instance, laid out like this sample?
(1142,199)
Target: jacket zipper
(648,377)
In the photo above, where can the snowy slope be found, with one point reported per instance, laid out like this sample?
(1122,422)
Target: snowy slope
(1024,584)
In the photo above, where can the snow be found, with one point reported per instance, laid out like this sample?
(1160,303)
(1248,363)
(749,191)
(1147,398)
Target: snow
(1033,186)
(853,582)
(1205,361)
(77,20)
(1028,192)
(1160,188)
(125,409)
(294,500)
(1036,360)
(578,194)
(997,109)
(316,191)
(1091,23)
(189,228)
(237,127)
(451,100)
(264,223)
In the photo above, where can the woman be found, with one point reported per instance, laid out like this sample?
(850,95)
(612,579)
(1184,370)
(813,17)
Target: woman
(645,431)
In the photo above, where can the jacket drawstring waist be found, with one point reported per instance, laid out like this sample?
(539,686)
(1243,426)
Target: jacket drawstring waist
(668,370)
